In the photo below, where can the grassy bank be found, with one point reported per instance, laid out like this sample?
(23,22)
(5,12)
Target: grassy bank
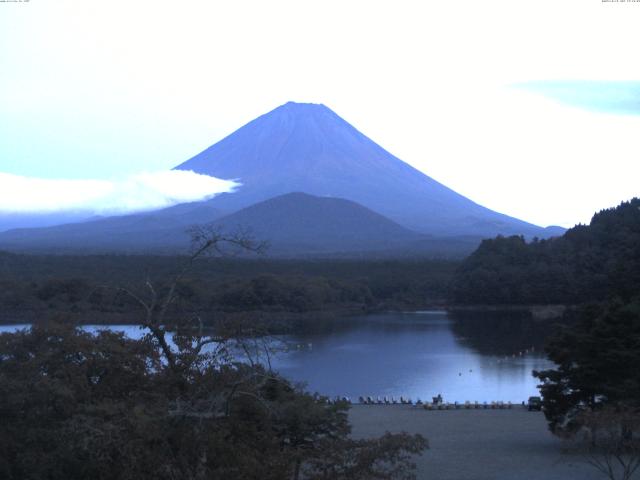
(477,444)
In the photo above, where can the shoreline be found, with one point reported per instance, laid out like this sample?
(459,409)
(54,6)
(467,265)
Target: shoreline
(296,322)
(537,311)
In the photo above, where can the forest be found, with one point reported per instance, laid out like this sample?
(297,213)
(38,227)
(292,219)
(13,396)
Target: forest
(588,263)
(288,294)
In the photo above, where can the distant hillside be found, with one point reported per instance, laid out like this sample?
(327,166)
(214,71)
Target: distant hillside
(9,221)
(305,225)
(588,263)
(162,231)
(294,224)
(308,148)
(297,222)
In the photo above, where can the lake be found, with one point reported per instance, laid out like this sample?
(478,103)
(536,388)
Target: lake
(422,354)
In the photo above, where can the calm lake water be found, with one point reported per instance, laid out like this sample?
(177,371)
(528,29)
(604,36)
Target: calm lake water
(410,354)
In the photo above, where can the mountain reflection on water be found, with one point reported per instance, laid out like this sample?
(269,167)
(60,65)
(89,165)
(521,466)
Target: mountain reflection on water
(500,332)
(475,358)
(462,356)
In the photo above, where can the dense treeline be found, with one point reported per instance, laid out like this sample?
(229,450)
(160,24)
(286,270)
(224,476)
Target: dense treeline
(597,353)
(588,263)
(90,287)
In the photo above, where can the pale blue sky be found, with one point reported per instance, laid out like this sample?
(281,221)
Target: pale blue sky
(108,90)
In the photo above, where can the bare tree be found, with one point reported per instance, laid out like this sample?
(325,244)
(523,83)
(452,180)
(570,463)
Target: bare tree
(195,347)
(190,336)
(613,437)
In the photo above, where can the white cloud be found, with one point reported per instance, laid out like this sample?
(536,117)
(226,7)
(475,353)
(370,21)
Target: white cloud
(139,192)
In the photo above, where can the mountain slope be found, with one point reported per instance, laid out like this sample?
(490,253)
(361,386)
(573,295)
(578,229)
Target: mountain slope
(308,148)
(161,231)
(297,222)
(294,224)
(9,221)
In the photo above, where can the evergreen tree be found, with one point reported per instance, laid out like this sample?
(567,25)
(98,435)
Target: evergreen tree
(598,358)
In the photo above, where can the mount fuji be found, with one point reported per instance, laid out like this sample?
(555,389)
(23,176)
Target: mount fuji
(310,183)
(304,147)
